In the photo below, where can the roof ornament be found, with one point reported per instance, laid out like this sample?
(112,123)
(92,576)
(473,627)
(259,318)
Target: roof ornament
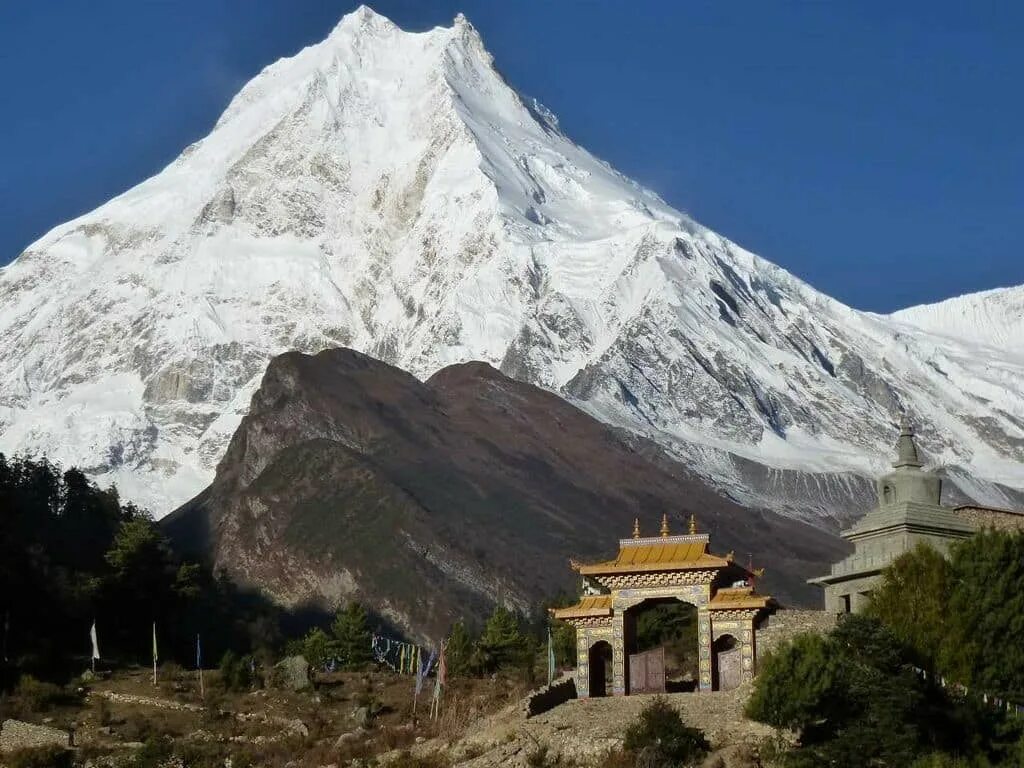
(664,526)
(693,524)
(636,527)
(906,448)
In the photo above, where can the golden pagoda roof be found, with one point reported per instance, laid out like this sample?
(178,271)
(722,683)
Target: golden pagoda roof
(660,553)
(734,598)
(589,605)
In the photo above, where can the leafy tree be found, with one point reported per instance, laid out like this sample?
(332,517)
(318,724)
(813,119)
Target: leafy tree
(352,637)
(660,737)
(913,601)
(502,643)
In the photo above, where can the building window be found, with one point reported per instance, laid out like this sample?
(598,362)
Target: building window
(846,603)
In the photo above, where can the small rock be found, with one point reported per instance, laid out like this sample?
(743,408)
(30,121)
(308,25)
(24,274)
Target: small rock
(361,716)
(299,727)
(346,738)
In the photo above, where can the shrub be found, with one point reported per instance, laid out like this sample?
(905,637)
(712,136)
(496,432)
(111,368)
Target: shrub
(155,751)
(236,672)
(660,737)
(40,757)
(37,696)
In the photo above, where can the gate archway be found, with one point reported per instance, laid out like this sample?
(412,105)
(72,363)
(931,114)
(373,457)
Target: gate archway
(599,661)
(661,642)
(677,569)
(727,660)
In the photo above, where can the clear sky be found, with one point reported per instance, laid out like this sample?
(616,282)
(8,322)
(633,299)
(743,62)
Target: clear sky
(875,149)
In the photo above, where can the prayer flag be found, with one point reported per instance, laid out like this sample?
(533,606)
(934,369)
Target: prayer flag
(95,641)
(154,653)
(551,657)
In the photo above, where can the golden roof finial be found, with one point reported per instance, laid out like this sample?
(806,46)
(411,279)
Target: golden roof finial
(693,524)
(664,526)
(636,527)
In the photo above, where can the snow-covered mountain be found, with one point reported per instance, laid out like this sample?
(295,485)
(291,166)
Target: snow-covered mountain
(390,192)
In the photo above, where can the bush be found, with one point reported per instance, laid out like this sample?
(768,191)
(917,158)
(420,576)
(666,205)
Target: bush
(154,752)
(40,757)
(659,737)
(37,696)
(236,672)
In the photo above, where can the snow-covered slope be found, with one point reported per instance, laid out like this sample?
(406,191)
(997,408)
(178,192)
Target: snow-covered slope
(388,191)
(991,318)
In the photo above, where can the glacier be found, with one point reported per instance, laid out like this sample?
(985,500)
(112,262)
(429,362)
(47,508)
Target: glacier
(388,191)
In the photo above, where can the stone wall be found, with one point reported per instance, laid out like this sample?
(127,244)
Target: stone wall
(786,623)
(986,517)
(550,696)
(15,734)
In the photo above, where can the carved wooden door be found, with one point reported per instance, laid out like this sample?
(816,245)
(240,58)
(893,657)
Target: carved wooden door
(730,669)
(647,671)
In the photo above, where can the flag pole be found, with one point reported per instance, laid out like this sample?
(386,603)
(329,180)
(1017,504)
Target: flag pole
(199,665)
(154,653)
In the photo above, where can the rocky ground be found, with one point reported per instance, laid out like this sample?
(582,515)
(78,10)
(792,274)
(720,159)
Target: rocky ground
(584,732)
(354,719)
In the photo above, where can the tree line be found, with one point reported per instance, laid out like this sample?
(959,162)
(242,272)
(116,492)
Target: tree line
(72,553)
(931,676)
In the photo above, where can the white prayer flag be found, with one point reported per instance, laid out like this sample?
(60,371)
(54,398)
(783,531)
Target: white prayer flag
(95,642)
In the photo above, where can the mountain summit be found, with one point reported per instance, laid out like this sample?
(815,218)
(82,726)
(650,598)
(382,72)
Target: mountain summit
(388,191)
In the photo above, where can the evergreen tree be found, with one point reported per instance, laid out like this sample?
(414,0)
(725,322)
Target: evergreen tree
(459,653)
(318,648)
(799,687)
(502,644)
(985,621)
(352,637)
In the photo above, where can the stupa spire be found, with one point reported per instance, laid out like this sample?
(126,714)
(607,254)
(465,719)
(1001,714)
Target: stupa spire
(906,448)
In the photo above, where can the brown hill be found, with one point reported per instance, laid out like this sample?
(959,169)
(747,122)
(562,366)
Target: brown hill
(432,500)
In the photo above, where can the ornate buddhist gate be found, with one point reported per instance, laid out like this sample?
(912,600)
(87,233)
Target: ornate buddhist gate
(647,671)
(659,568)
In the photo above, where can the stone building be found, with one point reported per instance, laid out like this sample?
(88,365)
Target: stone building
(652,570)
(909,511)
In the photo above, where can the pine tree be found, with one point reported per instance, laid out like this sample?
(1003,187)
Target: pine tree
(459,654)
(502,644)
(352,637)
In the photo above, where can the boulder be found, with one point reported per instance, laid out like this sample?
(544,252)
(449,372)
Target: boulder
(292,673)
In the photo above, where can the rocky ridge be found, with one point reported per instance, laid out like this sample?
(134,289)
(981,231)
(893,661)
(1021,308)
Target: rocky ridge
(430,501)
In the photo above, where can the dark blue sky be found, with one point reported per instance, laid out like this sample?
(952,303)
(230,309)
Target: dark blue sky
(875,149)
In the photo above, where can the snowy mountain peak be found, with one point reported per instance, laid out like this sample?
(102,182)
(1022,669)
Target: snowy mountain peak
(389,191)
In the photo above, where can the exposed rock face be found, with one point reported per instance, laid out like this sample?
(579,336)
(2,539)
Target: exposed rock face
(388,191)
(433,500)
